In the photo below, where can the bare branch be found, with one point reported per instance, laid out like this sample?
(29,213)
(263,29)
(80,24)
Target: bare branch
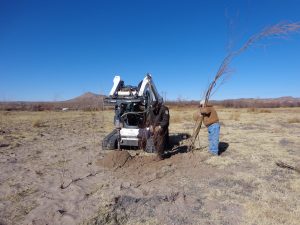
(285,165)
(280,30)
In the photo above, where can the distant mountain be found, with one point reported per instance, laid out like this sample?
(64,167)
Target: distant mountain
(287,98)
(87,97)
(92,101)
(286,101)
(284,98)
(87,101)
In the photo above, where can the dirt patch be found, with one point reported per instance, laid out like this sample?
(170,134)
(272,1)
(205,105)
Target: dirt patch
(114,159)
(242,186)
(285,142)
(158,209)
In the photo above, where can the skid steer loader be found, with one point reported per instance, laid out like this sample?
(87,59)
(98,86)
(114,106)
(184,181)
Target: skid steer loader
(131,106)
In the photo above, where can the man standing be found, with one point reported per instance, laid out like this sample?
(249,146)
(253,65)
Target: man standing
(158,121)
(211,121)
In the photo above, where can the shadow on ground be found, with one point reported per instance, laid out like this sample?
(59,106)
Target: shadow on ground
(174,144)
(175,147)
(223,146)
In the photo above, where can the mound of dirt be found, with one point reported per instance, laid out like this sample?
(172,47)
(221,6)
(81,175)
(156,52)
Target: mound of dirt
(114,159)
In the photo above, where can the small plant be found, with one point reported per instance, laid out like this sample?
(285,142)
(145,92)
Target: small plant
(265,111)
(294,120)
(235,116)
(255,110)
(176,118)
(252,110)
(38,123)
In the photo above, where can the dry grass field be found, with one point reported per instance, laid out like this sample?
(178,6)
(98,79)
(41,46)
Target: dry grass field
(53,171)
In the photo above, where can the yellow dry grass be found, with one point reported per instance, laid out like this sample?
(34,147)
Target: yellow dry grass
(294,120)
(257,139)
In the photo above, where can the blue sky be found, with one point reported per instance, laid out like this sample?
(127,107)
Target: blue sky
(56,50)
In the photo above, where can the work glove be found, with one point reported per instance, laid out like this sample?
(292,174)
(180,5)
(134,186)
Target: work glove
(196,116)
(157,129)
(151,129)
(204,111)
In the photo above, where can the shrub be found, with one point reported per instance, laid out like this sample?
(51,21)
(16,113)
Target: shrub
(176,118)
(251,110)
(235,116)
(294,120)
(255,110)
(265,111)
(38,123)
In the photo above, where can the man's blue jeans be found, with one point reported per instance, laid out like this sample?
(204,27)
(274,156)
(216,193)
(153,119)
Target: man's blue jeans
(213,138)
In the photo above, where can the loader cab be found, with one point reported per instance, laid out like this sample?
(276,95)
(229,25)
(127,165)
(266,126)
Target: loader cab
(130,114)
(132,104)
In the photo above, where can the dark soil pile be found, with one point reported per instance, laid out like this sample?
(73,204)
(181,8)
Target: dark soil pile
(114,159)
